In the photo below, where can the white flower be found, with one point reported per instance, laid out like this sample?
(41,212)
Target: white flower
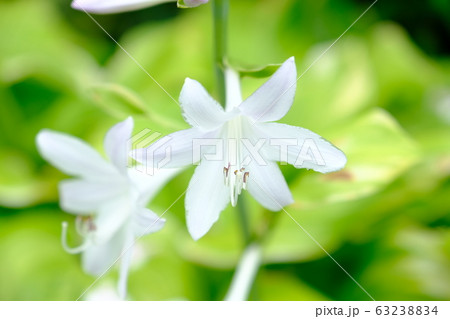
(108,197)
(115,6)
(243,127)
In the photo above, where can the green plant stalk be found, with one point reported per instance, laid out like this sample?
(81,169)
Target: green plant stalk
(220,14)
(250,261)
(251,257)
(243,220)
(245,273)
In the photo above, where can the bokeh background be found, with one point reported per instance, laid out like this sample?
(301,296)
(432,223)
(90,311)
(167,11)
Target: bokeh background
(382,94)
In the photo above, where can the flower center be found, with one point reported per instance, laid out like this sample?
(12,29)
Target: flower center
(234,172)
(236,180)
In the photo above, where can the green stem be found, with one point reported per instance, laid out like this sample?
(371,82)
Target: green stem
(243,219)
(220,13)
(250,261)
(227,83)
(245,273)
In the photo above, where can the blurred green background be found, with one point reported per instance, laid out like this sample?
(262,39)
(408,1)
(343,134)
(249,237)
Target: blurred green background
(382,94)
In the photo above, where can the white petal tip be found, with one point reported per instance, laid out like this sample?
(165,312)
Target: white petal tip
(198,228)
(343,160)
(290,64)
(79,6)
(44,141)
(42,136)
(75,5)
(196,236)
(291,201)
(339,162)
(195,232)
(189,81)
(187,85)
(129,120)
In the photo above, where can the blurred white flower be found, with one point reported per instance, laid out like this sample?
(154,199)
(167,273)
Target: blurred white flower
(108,197)
(102,293)
(251,147)
(116,6)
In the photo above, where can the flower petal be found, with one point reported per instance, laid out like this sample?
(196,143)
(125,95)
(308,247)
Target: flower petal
(306,149)
(173,150)
(199,108)
(206,197)
(112,216)
(267,185)
(80,196)
(148,185)
(117,143)
(146,222)
(73,156)
(98,258)
(125,262)
(114,6)
(274,98)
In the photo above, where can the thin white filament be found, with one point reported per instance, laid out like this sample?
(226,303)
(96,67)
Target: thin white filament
(72,250)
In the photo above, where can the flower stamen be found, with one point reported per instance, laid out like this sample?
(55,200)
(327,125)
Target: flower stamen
(245,179)
(74,250)
(84,225)
(236,182)
(225,174)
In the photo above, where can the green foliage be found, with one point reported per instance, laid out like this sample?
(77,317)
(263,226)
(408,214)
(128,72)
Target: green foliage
(262,72)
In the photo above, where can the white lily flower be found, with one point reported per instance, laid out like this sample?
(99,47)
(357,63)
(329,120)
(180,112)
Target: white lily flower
(116,6)
(108,197)
(251,147)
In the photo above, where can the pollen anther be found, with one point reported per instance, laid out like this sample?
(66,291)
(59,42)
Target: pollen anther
(236,182)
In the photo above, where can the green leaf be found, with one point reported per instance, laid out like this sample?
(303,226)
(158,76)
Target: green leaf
(334,89)
(280,286)
(182,5)
(159,272)
(34,265)
(413,257)
(262,72)
(117,100)
(377,149)
(19,185)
